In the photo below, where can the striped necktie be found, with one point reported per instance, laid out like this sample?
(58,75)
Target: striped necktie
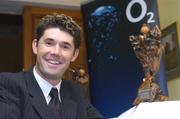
(55,103)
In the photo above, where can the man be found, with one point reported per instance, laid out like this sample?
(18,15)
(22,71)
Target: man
(28,95)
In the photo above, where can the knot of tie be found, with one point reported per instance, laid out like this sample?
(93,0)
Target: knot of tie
(54,93)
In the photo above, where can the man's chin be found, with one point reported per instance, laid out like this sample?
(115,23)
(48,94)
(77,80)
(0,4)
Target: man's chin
(54,76)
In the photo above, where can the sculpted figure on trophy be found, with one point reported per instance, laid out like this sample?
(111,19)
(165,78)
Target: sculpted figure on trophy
(79,75)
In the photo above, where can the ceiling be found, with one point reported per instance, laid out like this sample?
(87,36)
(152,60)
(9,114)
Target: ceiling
(16,6)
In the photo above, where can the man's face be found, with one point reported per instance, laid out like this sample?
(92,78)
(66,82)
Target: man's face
(55,50)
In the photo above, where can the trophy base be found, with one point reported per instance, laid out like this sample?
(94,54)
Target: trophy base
(149,91)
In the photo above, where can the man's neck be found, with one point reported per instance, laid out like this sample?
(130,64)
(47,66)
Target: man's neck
(53,82)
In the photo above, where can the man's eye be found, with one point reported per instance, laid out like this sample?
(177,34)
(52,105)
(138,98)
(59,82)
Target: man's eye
(49,43)
(66,47)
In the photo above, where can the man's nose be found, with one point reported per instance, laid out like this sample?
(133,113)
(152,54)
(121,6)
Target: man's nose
(56,50)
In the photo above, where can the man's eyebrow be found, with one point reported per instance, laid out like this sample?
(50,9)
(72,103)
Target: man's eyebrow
(49,39)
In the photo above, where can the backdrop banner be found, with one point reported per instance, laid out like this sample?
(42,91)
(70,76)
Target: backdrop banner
(115,72)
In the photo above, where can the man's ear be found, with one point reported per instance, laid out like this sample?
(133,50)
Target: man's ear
(34,46)
(76,53)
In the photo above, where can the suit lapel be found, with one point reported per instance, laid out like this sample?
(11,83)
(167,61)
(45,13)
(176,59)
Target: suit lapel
(37,97)
(68,104)
(39,103)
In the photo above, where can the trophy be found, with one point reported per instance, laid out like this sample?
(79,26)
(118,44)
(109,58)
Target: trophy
(148,49)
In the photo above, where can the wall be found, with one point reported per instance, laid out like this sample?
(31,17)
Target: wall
(169,13)
(16,6)
(52,2)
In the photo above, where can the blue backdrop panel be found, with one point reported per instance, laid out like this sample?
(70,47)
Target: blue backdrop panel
(114,70)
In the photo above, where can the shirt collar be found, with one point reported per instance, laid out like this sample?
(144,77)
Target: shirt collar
(45,85)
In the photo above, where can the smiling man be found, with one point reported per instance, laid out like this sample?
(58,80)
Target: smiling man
(41,93)
(55,50)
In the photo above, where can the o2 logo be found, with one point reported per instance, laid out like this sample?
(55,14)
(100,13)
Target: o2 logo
(143,13)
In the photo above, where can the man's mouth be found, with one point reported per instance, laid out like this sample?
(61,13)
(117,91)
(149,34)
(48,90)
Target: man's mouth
(54,62)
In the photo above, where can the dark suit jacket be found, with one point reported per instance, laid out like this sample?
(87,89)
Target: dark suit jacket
(22,98)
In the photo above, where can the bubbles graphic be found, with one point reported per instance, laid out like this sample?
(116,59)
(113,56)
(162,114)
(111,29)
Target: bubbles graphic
(101,24)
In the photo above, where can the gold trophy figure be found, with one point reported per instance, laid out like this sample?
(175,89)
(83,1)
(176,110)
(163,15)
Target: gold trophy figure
(79,75)
(148,49)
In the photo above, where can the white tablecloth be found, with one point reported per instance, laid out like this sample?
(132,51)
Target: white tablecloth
(154,110)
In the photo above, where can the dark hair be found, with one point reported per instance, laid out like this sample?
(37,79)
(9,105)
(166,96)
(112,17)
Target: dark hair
(61,21)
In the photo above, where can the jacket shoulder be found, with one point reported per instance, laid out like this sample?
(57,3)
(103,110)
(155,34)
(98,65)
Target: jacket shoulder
(11,95)
(12,82)
(72,86)
(7,78)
